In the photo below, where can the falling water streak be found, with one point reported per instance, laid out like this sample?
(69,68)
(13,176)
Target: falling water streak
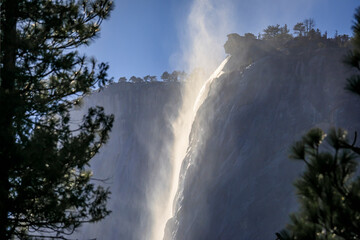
(181,128)
(205,88)
(205,33)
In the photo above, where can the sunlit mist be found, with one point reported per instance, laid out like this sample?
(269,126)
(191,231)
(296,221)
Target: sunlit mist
(205,33)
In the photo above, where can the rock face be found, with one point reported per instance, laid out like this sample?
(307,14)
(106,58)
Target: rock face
(247,48)
(135,161)
(236,177)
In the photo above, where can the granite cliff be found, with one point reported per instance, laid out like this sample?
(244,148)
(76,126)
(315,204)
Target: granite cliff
(236,179)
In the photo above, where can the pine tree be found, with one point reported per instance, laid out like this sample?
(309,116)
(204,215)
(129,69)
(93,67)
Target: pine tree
(299,29)
(165,76)
(271,32)
(45,183)
(353,59)
(329,188)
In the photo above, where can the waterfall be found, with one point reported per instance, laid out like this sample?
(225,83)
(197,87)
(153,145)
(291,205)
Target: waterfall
(206,86)
(193,96)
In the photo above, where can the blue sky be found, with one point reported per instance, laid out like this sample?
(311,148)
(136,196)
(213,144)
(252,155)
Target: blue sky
(146,36)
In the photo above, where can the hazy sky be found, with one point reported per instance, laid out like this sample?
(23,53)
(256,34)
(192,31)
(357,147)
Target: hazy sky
(146,36)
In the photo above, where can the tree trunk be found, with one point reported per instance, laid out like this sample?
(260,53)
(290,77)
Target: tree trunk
(7,109)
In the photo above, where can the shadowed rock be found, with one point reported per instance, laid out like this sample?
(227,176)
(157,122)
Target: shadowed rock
(237,178)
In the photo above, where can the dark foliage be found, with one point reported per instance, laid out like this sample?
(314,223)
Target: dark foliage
(305,35)
(136,79)
(122,79)
(353,58)
(175,76)
(328,189)
(45,183)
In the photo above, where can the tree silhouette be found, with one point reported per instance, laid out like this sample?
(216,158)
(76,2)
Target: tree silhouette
(153,79)
(45,183)
(122,79)
(147,78)
(271,32)
(329,193)
(299,29)
(174,76)
(165,76)
(277,34)
(136,79)
(309,25)
(284,34)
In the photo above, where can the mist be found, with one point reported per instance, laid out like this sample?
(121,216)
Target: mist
(203,37)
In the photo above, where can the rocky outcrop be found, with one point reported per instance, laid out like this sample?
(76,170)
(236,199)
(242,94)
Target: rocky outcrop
(245,50)
(237,178)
